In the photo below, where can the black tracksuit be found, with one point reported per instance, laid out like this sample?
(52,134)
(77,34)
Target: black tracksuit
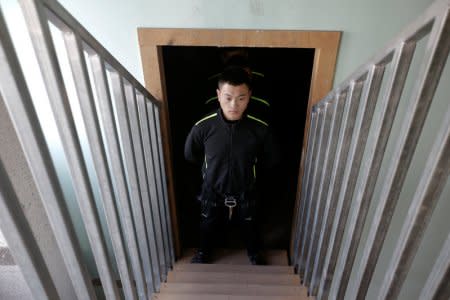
(230,153)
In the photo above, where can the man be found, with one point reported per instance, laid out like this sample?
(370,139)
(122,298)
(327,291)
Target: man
(230,144)
(259,105)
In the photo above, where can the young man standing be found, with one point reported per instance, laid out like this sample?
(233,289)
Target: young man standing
(230,145)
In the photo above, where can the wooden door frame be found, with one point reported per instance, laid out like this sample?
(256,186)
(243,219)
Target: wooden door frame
(151,41)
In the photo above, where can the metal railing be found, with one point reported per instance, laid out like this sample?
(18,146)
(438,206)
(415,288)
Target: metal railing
(347,145)
(121,121)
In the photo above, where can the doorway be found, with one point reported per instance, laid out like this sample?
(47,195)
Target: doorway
(287,76)
(152,42)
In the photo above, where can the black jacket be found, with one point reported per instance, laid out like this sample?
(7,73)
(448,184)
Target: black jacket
(230,153)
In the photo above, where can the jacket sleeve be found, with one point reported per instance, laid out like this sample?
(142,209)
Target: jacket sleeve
(194,147)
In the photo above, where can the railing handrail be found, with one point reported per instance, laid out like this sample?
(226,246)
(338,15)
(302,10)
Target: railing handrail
(383,55)
(65,21)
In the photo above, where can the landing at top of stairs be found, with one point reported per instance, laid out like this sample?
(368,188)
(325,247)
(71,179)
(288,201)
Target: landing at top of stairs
(233,268)
(238,257)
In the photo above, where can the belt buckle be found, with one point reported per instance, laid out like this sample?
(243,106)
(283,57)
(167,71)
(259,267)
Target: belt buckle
(230,201)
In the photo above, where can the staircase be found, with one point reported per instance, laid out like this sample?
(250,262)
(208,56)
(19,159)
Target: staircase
(232,278)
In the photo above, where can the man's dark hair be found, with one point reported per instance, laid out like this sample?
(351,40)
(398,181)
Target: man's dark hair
(234,56)
(235,76)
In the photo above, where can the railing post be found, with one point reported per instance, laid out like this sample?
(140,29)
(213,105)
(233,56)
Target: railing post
(22,242)
(382,128)
(338,108)
(123,165)
(157,198)
(16,100)
(38,27)
(152,219)
(404,149)
(353,229)
(306,178)
(91,121)
(430,187)
(348,122)
(164,185)
(308,192)
(141,183)
(359,140)
(330,111)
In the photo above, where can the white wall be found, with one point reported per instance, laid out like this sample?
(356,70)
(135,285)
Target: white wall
(366,25)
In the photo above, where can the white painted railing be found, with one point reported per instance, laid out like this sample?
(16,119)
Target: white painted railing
(347,147)
(119,175)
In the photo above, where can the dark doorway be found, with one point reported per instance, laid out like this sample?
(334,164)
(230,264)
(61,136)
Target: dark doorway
(287,76)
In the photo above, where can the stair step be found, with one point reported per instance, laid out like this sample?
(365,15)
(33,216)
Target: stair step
(231,277)
(238,257)
(233,289)
(222,297)
(233,268)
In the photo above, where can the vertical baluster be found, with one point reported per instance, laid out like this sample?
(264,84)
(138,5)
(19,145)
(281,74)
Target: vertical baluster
(430,187)
(40,34)
(164,185)
(152,219)
(358,144)
(336,175)
(383,126)
(142,184)
(338,108)
(305,179)
(13,221)
(329,110)
(311,183)
(349,237)
(22,243)
(433,65)
(17,100)
(86,100)
(126,165)
(348,122)
(158,193)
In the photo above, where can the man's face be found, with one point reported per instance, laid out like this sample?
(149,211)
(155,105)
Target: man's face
(233,100)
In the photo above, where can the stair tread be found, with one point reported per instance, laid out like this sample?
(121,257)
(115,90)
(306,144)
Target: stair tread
(223,297)
(238,257)
(234,289)
(233,268)
(232,277)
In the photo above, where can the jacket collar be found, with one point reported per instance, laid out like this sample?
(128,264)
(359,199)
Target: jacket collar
(228,123)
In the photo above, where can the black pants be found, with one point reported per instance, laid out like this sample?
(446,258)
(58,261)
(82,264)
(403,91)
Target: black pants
(218,215)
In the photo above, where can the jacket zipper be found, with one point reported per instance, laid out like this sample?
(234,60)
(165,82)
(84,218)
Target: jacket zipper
(230,164)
